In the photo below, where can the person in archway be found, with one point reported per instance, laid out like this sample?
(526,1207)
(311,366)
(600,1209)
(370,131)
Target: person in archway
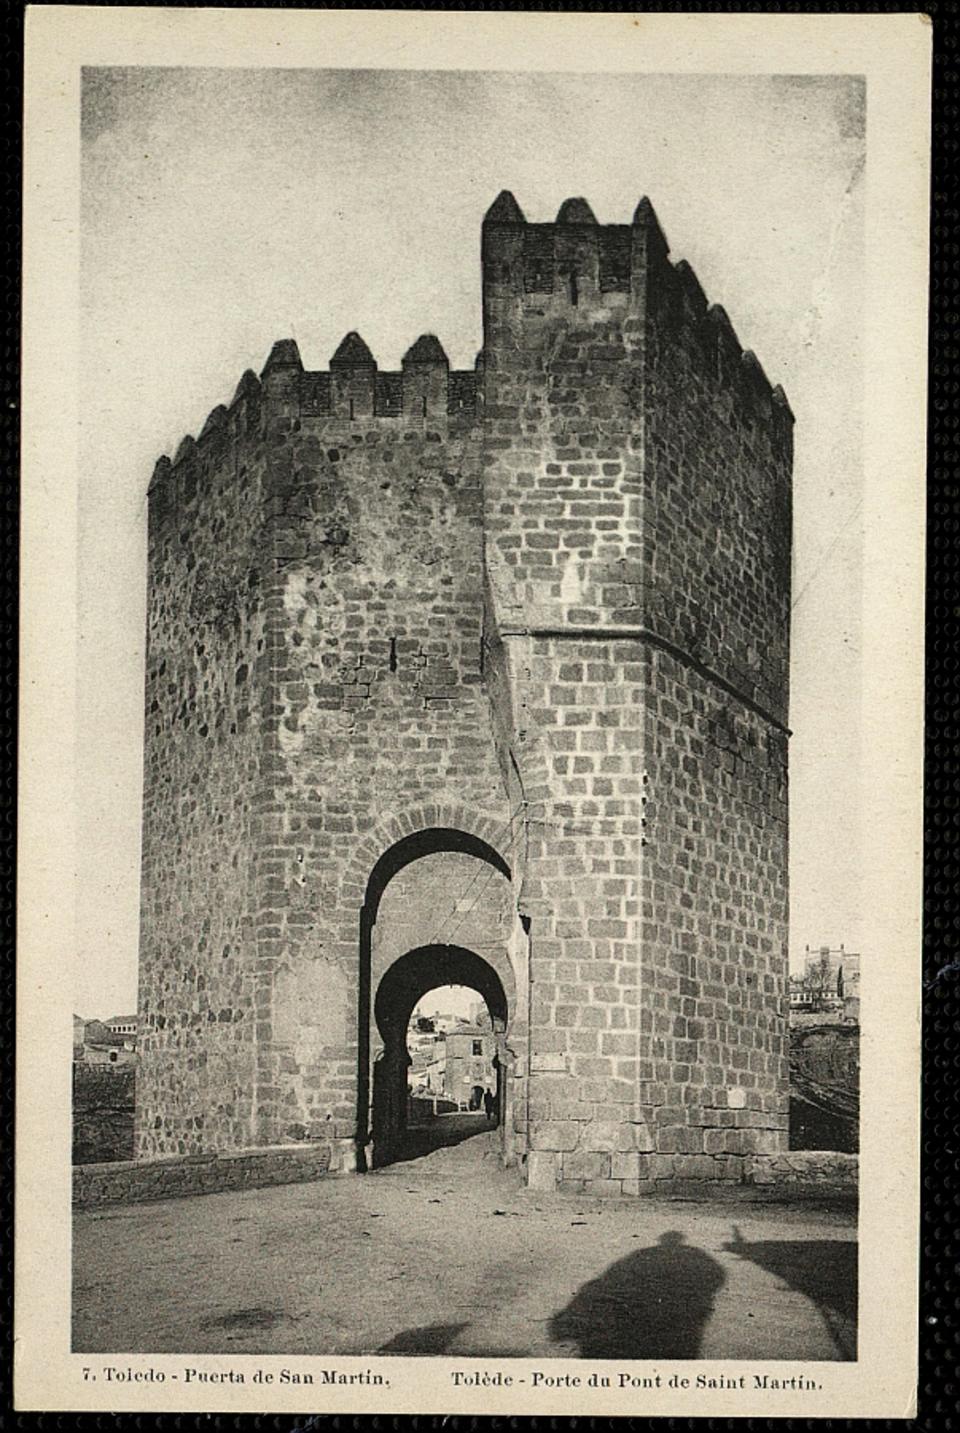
(489,1104)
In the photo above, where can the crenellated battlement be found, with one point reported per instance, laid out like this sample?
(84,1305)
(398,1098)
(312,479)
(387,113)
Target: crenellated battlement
(570,257)
(576,267)
(424,388)
(352,392)
(533,273)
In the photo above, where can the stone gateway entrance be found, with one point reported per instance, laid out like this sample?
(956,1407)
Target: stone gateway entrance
(433,887)
(480,676)
(401,987)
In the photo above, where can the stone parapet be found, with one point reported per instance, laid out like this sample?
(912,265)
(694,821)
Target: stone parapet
(139,1181)
(816,1170)
(802,1174)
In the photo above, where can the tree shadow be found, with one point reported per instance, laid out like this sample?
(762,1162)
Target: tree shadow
(823,1270)
(653,1304)
(433,1338)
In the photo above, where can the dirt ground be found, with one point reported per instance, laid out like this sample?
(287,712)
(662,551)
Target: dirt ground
(445,1253)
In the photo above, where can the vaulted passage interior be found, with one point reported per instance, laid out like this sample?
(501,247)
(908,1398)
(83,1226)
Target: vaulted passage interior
(438,911)
(401,988)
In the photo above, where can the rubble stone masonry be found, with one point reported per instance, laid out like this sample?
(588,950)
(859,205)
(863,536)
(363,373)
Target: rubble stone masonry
(530,620)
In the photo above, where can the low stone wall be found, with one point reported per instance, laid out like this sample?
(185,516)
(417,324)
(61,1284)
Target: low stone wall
(135,1182)
(820,1171)
(797,1174)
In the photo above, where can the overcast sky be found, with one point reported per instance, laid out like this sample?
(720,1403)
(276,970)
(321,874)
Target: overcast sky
(225,209)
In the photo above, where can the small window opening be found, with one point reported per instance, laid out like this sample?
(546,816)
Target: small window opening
(574,291)
(478,1047)
(393,654)
(351,407)
(423,404)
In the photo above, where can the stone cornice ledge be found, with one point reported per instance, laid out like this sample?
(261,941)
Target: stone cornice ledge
(644,634)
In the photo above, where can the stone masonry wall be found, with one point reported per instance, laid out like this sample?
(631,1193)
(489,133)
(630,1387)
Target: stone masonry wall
(563,483)
(447,897)
(715,589)
(203,734)
(718,453)
(580,891)
(638,540)
(314,666)
(714,925)
(377,703)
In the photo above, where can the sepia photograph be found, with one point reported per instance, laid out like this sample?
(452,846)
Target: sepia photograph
(469,817)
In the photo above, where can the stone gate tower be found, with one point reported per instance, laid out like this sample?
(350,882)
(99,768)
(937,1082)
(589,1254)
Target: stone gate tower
(481,678)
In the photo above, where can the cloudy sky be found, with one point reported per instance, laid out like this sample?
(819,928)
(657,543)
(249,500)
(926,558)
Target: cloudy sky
(223,209)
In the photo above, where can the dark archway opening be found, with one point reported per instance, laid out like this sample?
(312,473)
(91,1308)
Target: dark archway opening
(418,844)
(402,1127)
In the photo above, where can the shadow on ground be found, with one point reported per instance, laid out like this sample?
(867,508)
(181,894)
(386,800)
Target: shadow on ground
(434,1338)
(655,1303)
(418,1141)
(244,1319)
(823,1270)
(437,1339)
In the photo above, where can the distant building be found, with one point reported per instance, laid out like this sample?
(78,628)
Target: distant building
(456,1063)
(832,976)
(123,1025)
(425,1046)
(801,997)
(480,1015)
(443,1022)
(470,1070)
(105,1042)
(829,988)
(427,1074)
(108,1055)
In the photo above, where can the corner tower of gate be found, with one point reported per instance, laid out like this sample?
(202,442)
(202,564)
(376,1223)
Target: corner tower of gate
(637,495)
